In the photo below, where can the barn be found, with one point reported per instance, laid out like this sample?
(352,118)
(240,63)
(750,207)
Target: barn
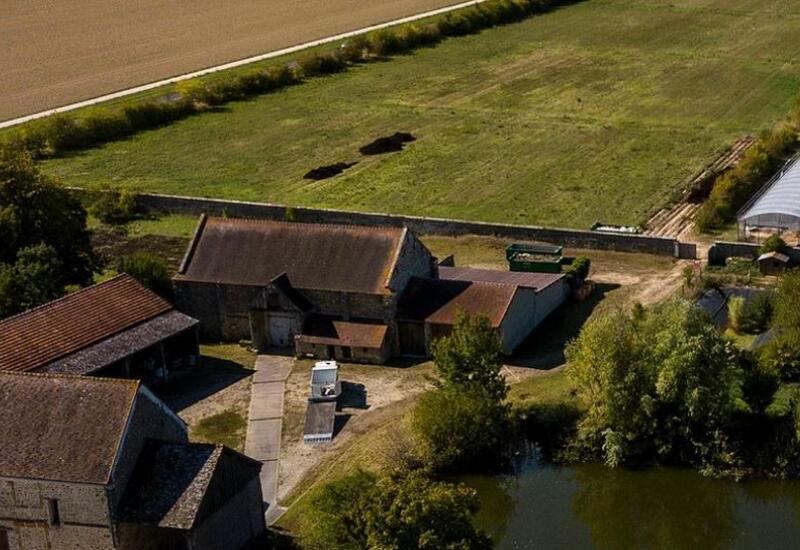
(116,328)
(514,302)
(325,290)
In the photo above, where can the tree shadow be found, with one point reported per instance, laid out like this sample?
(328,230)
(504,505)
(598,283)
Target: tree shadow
(353,396)
(210,376)
(544,347)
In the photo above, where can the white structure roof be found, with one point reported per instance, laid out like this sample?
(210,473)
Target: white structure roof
(782,198)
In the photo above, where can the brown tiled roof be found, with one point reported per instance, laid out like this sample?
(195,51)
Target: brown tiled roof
(64,428)
(314,256)
(176,485)
(539,281)
(362,334)
(62,327)
(438,300)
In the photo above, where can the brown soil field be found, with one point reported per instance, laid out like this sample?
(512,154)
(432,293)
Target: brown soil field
(56,53)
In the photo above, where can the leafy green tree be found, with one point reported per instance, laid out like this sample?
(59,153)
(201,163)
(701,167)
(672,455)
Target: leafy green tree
(471,357)
(663,386)
(462,430)
(150,270)
(774,243)
(783,352)
(35,278)
(787,302)
(35,209)
(365,511)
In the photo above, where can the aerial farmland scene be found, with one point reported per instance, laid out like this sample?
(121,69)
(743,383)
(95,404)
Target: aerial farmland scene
(403,274)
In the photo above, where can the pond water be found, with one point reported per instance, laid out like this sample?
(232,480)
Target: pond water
(590,506)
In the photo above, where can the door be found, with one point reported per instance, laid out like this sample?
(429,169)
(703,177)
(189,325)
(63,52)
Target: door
(4,545)
(412,339)
(280,331)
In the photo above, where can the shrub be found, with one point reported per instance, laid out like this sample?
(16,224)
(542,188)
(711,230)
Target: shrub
(151,114)
(735,310)
(579,269)
(363,510)
(113,206)
(774,243)
(150,270)
(34,279)
(354,50)
(756,314)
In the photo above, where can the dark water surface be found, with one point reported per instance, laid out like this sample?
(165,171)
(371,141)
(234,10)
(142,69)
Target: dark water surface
(589,506)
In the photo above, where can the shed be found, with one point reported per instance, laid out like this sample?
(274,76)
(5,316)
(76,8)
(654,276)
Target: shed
(772,263)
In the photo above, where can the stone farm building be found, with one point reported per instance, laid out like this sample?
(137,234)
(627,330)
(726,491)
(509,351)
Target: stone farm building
(116,328)
(98,463)
(347,292)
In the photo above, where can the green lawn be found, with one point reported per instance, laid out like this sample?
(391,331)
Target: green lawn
(593,112)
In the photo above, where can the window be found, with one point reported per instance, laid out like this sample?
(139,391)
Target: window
(4,545)
(53,513)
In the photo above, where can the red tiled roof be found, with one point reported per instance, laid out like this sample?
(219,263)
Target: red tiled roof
(39,336)
(539,281)
(438,300)
(63,428)
(361,334)
(313,256)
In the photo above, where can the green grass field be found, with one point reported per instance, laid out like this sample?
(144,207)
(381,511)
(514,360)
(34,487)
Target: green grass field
(596,111)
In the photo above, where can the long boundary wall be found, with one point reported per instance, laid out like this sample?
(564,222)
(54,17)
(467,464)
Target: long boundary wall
(573,238)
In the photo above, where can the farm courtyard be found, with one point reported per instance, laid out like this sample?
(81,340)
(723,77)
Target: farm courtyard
(594,112)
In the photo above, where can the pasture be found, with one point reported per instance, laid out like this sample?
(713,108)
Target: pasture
(595,111)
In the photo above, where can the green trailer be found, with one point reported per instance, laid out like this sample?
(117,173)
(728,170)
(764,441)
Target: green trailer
(535,258)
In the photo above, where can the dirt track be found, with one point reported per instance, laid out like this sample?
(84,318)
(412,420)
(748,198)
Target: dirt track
(55,53)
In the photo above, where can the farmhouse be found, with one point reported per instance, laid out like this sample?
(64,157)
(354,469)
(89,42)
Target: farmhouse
(345,292)
(514,302)
(116,328)
(334,287)
(102,463)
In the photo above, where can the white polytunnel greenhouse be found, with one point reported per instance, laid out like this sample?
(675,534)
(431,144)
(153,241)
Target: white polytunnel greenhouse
(777,206)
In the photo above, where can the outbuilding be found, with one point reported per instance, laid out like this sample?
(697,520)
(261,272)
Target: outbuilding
(772,263)
(116,328)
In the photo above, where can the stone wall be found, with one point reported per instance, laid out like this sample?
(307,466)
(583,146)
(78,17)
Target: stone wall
(238,521)
(722,250)
(83,511)
(424,226)
(413,260)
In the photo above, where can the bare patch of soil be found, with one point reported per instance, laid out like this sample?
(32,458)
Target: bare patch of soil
(325,172)
(389,144)
(111,245)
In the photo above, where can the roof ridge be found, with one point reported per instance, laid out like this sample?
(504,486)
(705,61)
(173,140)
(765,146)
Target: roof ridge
(121,381)
(65,296)
(316,224)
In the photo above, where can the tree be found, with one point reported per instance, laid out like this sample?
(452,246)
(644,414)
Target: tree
(471,357)
(150,270)
(662,386)
(774,243)
(783,352)
(35,209)
(461,431)
(35,278)
(362,510)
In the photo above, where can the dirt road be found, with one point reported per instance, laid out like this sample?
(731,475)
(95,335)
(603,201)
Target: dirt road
(55,53)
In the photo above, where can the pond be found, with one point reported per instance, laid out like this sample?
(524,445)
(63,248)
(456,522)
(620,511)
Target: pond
(590,506)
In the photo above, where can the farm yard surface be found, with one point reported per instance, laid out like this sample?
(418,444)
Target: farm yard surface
(57,53)
(595,111)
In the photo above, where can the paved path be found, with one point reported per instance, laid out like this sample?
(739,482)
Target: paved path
(266,420)
(239,63)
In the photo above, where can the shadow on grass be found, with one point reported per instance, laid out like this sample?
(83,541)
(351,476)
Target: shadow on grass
(210,376)
(544,348)
(339,422)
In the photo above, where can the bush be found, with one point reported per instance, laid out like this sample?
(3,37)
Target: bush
(363,510)
(756,314)
(774,243)
(34,279)
(111,205)
(579,269)
(735,310)
(150,270)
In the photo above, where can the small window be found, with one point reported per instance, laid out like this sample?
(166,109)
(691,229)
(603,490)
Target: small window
(346,352)
(53,513)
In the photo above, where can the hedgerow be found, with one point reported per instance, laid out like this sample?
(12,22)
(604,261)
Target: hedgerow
(62,133)
(733,188)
